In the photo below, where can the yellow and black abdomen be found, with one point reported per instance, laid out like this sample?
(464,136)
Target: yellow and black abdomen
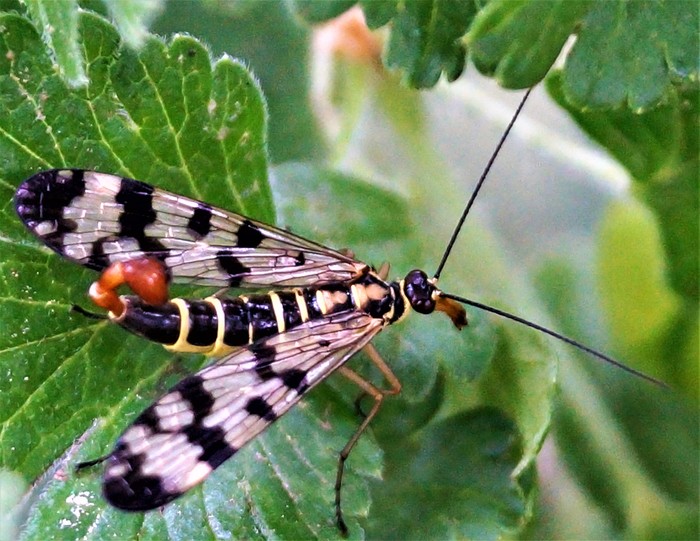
(215,325)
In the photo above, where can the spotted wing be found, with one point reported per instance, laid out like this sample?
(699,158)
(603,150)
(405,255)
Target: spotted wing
(207,417)
(96,219)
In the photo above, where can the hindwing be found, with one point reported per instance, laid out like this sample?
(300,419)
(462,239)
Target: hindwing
(207,417)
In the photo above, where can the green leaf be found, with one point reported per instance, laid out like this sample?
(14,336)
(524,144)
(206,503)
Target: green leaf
(603,414)
(636,289)
(132,18)
(626,53)
(318,12)
(518,41)
(425,39)
(378,14)
(454,482)
(630,53)
(12,489)
(281,65)
(653,146)
(58,20)
(659,148)
(652,494)
(635,295)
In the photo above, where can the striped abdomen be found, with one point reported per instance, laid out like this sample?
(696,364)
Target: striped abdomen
(217,325)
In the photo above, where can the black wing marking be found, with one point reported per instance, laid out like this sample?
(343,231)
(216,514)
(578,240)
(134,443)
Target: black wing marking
(96,219)
(207,417)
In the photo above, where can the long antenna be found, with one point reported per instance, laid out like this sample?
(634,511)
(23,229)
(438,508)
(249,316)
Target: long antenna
(570,341)
(597,354)
(458,228)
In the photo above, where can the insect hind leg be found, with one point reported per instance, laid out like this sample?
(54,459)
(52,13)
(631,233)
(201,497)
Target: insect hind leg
(378,395)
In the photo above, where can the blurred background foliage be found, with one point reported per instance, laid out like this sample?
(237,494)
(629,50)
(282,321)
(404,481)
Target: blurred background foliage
(378,124)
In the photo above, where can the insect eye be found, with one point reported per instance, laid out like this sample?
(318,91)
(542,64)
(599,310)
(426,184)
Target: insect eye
(419,292)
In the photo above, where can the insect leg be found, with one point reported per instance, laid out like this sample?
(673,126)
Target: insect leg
(378,361)
(83,312)
(220,292)
(91,463)
(388,374)
(378,396)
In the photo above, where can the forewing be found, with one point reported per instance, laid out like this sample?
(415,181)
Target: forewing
(96,219)
(207,417)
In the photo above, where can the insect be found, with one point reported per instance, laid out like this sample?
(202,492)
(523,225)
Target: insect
(273,347)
